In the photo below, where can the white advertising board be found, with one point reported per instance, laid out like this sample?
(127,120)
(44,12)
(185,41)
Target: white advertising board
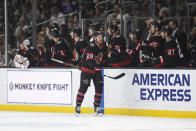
(151,89)
(39,87)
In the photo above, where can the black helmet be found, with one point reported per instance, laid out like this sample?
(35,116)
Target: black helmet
(168,30)
(137,33)
(77,31)
(54,33)
(113,27)
(156,24)
(47,27)
(55,26)
(94,27)
(132,32)
(71,29)
(96,33)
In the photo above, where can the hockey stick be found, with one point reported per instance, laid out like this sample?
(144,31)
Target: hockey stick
(78,67)
(72,65)
(116,77)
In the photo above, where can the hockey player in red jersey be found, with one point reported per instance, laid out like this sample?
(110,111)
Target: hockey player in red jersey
(47,52)
(117,46)
(134,47)
(156,44)
(60,51)
(90,63)
(171,50)
(79,45)
(27,56)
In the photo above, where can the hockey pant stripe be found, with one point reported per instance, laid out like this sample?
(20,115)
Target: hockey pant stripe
(80,93)
(78,98)
(98,94)
(97,98)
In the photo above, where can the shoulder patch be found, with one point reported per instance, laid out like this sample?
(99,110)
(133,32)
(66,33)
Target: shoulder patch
(92,44)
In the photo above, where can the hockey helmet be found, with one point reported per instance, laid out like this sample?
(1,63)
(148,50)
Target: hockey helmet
(77,32)
(167,29)
(94,27)
(26,43)
(113,27)
(156,24)
(55,26)
(96,33)
(54,33)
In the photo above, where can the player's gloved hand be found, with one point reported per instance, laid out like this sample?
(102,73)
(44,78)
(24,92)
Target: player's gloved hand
(157,61)
(130,52)
(21,62)
(109,54)
(98,59)
(75,55)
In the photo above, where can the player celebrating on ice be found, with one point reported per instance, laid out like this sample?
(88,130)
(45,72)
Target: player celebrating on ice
(90,63)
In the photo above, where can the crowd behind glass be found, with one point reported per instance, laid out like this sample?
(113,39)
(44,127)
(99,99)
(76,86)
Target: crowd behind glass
(138,47)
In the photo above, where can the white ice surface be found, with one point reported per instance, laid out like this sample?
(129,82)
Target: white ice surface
(29,121)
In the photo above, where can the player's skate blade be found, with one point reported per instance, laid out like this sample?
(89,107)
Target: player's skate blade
(77,114)
(98,114)
(77,111)
(97,111)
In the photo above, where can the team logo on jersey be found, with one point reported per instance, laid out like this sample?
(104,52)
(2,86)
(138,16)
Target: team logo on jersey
(154,45)
(86,82)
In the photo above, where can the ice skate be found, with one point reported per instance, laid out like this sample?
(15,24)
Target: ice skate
(77,111)
(97,110)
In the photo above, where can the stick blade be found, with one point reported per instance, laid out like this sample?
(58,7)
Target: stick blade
(119,76)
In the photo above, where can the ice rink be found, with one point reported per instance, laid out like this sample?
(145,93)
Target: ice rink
(33,121)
